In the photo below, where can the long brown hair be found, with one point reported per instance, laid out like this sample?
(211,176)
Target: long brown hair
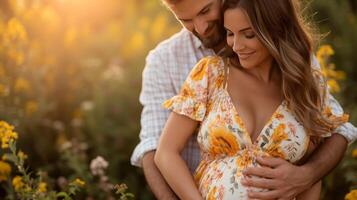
(280,27)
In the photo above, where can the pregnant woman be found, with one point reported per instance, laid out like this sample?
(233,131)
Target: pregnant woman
(266,99)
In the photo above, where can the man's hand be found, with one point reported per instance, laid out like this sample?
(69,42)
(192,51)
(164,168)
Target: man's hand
(283,179)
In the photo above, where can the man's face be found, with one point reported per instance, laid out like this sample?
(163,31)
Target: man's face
(202,18)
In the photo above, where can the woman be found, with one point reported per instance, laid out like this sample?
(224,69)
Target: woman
(265,99)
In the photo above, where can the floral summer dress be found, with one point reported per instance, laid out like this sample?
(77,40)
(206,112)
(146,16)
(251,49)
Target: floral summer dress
(226,146)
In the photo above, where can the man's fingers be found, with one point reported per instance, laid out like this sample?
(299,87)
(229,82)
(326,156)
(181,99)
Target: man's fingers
(257,182)
(263,195)
(270,161)
(263,172)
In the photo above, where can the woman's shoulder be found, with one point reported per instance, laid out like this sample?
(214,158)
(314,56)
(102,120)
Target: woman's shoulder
(209,67)
(212,61)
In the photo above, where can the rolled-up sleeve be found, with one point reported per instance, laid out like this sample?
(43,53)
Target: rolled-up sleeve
(156,88)
(347,130)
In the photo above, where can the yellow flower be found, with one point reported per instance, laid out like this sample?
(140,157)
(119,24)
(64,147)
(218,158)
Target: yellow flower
(14,31)
(79,182)
(333,85)
(354,153)
(5,170)
(22,155)
(279,134)
(325,51)
(199,70)
(352,195)
(158,27)
(212,193)
(6,134)
(187,91)
(18,183)
(42,187)
(277,137)
(137,41)
(244,160)
(21,85)
(223,142)
(31,107)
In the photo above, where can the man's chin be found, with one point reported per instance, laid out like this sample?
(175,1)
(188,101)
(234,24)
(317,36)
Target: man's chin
(211,43)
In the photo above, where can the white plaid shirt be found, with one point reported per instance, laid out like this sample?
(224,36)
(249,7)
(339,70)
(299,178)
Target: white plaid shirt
(167,67)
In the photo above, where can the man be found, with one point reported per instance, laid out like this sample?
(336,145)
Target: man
(168,65)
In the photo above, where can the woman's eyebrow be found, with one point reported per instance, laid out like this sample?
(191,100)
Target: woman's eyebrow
(244,29)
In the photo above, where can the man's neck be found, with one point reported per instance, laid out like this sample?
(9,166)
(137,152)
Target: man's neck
(218,49)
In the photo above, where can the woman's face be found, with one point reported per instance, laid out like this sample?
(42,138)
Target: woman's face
(243,40)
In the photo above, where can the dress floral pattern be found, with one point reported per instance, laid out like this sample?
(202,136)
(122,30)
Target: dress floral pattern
(226,146)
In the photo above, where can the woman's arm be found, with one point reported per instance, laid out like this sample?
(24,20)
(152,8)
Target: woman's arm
(177,131)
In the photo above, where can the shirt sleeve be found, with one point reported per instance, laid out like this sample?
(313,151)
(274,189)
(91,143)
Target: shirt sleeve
(193,96)
(156,88)
(347,130)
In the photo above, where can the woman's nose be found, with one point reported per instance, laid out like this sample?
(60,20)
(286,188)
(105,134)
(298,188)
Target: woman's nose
(237,45)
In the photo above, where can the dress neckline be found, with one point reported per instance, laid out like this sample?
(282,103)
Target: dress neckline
(236,111)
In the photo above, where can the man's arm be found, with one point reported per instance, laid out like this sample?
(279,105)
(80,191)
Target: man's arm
(155,179)
(156,88)
(285,180)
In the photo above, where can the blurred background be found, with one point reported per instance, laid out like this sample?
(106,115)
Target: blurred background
(70,78)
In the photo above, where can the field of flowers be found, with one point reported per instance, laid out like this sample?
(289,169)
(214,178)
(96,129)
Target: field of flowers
(70,77)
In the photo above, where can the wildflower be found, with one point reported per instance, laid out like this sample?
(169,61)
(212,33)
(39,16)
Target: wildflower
(21,85)
(352,195)
(15,31)
(333,86)
(22,155)
(325,51)
(42,187)
(354,153)
(18,183)
(79,182)
(98,165)
(120,188)
(31,107)
(6,134)
(5,170)
(86,106)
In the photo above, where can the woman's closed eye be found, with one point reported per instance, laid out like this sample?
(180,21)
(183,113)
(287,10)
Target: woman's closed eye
(249,35)
(229,33)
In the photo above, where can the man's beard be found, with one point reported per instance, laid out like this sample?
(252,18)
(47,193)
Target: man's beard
(217,36)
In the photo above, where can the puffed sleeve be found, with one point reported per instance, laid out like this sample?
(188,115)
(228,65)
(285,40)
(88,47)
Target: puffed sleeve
(193,96)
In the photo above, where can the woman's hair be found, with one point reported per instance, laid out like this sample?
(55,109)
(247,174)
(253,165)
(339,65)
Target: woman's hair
(280,27)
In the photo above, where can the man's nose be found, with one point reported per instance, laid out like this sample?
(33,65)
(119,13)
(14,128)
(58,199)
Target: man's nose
(200,26)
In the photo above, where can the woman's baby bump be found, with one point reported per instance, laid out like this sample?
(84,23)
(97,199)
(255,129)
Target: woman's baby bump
(221,176)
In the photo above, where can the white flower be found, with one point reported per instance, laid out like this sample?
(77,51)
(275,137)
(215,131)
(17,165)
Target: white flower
(98,165)
(87,105)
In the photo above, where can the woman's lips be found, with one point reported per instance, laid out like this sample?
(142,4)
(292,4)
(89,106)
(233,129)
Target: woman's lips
(244,56)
